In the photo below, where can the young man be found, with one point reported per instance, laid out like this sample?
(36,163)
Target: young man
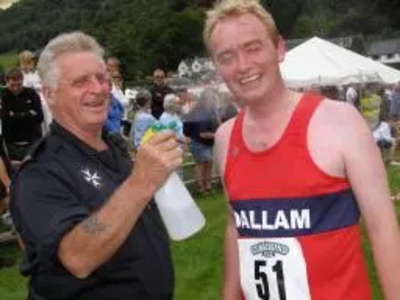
(298,170)
(21,115)
(84,212)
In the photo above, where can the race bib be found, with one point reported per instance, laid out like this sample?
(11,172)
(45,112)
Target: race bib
(273,269)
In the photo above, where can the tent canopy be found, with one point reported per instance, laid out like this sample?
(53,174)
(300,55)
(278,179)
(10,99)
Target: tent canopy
(319,62)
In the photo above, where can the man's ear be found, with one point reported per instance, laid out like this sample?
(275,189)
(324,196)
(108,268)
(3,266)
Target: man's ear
(281,48)
(48,95)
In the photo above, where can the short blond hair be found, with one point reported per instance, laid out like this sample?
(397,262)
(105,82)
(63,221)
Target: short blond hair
(224,9)
(25,55)
(26,61)
(171,102)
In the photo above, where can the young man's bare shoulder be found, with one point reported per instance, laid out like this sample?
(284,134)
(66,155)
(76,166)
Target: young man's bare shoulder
(224,131)
(336,129)
(222,138)
(338,114)
(339,122)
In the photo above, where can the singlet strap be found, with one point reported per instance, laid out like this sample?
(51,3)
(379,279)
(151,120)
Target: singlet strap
(237,130)
(298,126)
(296,131)
(235,142)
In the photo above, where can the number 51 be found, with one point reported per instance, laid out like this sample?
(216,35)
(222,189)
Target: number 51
(261,275)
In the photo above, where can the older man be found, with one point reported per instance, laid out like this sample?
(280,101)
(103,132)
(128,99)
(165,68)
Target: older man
(296,184)
(84,212)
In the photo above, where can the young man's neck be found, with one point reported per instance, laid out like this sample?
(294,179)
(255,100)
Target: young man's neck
(280,100)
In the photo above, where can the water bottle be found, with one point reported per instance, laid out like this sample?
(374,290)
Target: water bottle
(178,210)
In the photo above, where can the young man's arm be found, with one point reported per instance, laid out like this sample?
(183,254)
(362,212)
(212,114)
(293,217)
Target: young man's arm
(364,168)
(231,289)
(231,284)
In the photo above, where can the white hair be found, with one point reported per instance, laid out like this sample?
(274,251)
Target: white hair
(171,102)
(64,43)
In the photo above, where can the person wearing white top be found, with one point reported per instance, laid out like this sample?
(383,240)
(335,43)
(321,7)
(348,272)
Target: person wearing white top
(385,140)
(170,115)
(351,95)
(32,80)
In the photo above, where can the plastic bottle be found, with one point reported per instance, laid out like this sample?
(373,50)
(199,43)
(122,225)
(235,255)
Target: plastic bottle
(180,214)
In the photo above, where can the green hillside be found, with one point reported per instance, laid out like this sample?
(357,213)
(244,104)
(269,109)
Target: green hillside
(8,60)
(158,33)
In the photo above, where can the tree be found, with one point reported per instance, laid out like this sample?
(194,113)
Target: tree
(149,33)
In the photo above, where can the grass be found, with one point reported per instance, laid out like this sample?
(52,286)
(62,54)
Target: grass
(198,260)
(8,60)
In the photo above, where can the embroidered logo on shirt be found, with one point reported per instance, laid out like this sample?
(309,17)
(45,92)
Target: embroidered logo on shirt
(92,178)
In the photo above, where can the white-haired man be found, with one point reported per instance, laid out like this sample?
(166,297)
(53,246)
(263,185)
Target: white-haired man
(298,170)
(84,212)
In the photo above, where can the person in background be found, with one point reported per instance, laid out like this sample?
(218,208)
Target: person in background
(27,65)
(171,116)
(384,136)
(371,104)
(84,211)
(113,64)
(143,117)
(200,125)
(331,92)
(114,116)
(159,89)
(352,97)
(395,103)
(21,115)
(384,109)
(117,92)
(187,100)
(6,172)
(116,110)
(227,107)
(172,107)
(315,89)
(4,188)
(299,171)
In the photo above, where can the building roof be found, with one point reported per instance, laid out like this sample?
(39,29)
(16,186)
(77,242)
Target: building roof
(384,47)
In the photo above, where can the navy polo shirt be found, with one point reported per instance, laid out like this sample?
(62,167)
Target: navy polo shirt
(60,185)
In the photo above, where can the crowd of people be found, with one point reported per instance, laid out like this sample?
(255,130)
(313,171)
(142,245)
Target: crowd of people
(379,104)
(26,115)
(82,183)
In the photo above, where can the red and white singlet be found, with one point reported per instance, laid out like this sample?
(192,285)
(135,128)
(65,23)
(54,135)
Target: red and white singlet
(298,227)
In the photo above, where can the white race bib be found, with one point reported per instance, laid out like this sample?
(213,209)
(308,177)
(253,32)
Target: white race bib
(273,269)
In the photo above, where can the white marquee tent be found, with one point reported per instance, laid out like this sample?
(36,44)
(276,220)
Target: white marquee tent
(319,62)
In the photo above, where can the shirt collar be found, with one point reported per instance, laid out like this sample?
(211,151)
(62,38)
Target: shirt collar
(58,130)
